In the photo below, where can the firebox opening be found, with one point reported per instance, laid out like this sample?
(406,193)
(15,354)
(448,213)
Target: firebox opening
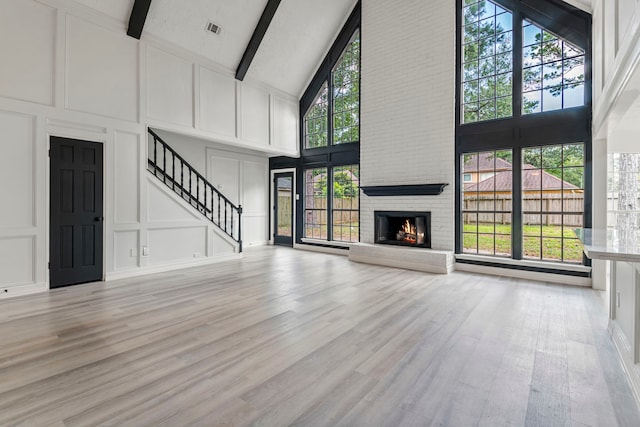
(403,228)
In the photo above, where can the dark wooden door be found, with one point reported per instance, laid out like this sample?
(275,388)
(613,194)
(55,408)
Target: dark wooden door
(75,247)
(283,208)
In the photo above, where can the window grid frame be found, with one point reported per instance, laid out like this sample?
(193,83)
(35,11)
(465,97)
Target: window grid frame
(322,93)
(542,213)
(521,131)
(334,90)
(342,169)
(333,154)
(478,59)
(477,212)
(563,59)
(313,210)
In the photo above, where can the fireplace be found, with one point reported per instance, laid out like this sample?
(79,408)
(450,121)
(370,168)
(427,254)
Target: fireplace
(403,228)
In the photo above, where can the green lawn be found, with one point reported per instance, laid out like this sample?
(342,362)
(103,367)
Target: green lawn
(539,241)
(345,232)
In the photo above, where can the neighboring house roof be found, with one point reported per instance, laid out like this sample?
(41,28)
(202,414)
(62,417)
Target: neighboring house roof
(531,181)
(486,162)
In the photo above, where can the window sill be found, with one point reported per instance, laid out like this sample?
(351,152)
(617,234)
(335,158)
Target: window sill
(332,243)
(549,267)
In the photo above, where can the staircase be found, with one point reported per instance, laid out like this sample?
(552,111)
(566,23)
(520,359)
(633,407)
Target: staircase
(170,168)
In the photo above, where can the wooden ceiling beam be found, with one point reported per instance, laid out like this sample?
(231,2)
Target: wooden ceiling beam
(138,18)
(256,38)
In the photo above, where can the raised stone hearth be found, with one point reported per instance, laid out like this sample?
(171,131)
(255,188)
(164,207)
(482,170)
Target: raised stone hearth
(428,260)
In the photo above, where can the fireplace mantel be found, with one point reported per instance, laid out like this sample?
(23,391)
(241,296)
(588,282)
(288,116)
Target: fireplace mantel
(404,190)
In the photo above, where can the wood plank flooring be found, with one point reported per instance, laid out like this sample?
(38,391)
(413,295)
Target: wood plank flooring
(285,337)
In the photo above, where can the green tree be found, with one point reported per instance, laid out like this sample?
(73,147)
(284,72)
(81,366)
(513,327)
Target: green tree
(549,63)
(345,80)
(344,186)
(487,62)
(346,94)
(315,121)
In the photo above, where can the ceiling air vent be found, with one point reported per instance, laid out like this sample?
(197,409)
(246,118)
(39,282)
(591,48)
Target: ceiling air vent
(212,28)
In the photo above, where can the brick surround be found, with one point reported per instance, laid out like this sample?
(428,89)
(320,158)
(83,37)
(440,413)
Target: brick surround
(407,113)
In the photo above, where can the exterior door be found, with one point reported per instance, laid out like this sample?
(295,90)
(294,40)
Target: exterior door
(76,209)
(283,208)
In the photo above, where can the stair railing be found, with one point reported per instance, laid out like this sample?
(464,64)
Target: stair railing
(177,174)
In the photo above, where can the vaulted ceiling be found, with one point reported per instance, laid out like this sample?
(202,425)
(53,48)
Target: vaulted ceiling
(294,44)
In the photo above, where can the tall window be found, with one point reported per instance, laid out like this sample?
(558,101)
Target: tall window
(553,73)
(330,152)
(346,94)
(487,202)
(487,61)
(344,100)
(345,212)
(342,183)
(315,203)
(523,137)
(552,202)
(316,126)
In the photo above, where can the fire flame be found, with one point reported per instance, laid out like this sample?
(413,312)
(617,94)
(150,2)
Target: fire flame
(408,228)
(408,231)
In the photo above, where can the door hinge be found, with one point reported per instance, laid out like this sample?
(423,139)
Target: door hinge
(49,266)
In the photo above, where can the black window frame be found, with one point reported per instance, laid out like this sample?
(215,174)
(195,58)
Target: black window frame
(571,125)
(331,155)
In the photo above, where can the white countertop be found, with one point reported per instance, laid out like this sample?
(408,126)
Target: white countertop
(610,244)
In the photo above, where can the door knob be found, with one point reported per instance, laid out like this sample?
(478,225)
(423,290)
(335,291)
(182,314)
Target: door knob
(98,219)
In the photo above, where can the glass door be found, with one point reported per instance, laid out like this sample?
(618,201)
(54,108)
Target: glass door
(283,208)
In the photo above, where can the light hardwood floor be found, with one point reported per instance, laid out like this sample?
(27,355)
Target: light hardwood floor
(285,337)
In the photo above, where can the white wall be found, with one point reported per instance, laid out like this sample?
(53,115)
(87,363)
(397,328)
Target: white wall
(74,73)
(616,41)
(616,100)
(407,113)
(192,97)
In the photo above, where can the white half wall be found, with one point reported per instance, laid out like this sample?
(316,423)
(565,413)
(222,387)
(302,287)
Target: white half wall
(189,96)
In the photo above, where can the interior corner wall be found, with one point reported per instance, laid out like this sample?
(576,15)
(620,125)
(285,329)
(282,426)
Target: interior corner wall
(616,49)
(76,74)
(407,118)
(616,71)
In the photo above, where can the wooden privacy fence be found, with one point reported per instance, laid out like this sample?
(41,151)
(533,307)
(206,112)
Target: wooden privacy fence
(284,210)
(551,209)
(345,210)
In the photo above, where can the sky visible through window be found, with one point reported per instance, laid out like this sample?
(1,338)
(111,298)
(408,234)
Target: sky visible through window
(553,74)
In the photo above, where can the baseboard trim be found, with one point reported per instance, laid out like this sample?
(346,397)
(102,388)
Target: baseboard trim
(125,274)
(524,274)
(321,249)
(12,291)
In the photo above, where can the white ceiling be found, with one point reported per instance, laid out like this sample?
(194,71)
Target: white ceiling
(297,40)
(585,5)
